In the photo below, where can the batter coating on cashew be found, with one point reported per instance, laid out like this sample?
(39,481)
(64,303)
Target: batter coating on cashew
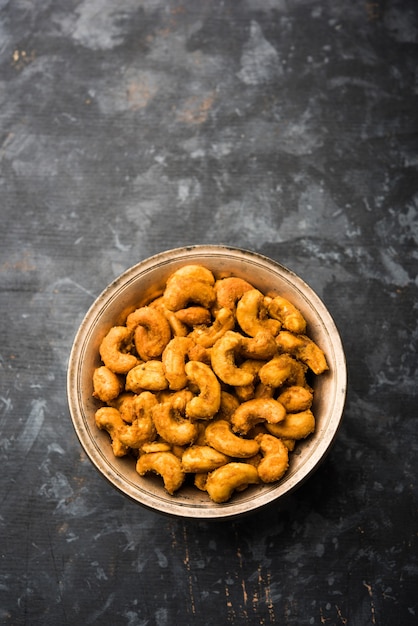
(223,360)
(222,482)
(194,316)
(171,424)
(181,292)
(296,399)
(114,350)
(285,312)
(275,460)
(279,370)
(250,413)
(229,290)
(174,359)
(219,435)
(109,419)
(106,384)
(198,459)
(151,331)
(303,348)
(262,346)
(252,314)
(207,403)
(294,426)
(207,337)
(146,376)
(166,464)
(193,272)
(142,429)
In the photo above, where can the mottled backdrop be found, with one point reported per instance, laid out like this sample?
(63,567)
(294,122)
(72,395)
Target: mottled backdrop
(288,127)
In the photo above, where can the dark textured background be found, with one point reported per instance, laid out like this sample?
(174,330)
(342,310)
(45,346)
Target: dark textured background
(288,127)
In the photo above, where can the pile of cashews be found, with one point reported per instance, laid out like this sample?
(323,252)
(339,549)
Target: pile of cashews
(208,380)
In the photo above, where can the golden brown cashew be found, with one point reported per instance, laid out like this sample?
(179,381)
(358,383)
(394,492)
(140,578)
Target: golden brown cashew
(194,316)
(222,482)
(146,376)
(275,458)
(229,403)
(178,328)
(181,292)
(285,312)
(219,435)
(229,290)
(282,368)
(252,314)
(207,403)
(151,331)
(223,360)
(108,418)
(202,459)
(106,384)
(255,411)
(124,403)
(262,346)
(304,349)
(296,399)
(207,337)
(294,426)
(171,424)
(193,272)
(114,350)
(173,359)
(142,429)
(166,464)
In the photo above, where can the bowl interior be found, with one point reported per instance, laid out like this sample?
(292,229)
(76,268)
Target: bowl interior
(138,286)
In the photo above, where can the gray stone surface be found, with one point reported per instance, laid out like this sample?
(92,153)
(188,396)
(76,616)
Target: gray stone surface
(284,127)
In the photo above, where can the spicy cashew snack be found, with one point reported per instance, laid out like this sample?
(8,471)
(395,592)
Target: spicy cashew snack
(208,383)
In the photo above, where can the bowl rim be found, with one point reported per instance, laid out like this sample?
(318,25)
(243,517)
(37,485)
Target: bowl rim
(172,507)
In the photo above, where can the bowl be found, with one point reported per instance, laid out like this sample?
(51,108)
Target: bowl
(137,286)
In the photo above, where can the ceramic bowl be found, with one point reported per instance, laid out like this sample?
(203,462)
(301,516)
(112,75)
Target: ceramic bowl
(138,286)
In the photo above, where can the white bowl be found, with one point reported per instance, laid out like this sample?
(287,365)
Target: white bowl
(140,284)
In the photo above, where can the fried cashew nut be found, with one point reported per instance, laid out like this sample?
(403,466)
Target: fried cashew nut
(142,429)
(193,272)
(229,290)
(275,461)
(262,346)
(146,376)
(252,314)
(108,418)
(180,292)
(303,348)
(199,459)
(151,331)
(296,399)
(279,370)
(219,435)
(207,403)
(171,424)
(294,426)
(285,312)
(222,482)
(257,410)
(174,360)
(114,350)
(194,316)
(166,465)
(207,337)
(106,384)
(223,360)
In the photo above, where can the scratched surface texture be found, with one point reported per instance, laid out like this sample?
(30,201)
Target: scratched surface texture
(288,127)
